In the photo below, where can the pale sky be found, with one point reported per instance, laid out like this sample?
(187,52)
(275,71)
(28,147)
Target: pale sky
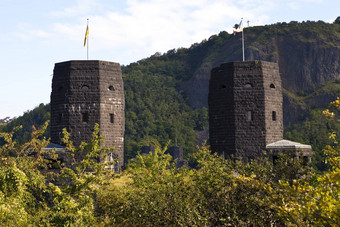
(36,34)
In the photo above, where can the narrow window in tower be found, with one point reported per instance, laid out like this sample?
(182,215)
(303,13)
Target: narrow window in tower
(248,85)
(112,118)
(111,88)
(223,86)
(85,117)
(250,116)
(60,117)
(272,86)
(274,115)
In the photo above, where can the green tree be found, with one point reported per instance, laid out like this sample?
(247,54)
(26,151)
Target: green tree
(152,191)
(218,193)
(314,200)
(32,195)
(314,131)
(36,117)
(157,194)
(21,183)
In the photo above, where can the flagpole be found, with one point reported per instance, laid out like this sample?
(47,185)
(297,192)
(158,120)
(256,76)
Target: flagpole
(243,42)
(240,28)
(89,40)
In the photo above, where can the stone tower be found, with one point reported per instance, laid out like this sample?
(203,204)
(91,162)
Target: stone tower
(85,93)
(245,108)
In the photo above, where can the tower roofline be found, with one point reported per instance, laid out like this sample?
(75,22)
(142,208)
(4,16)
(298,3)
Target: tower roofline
(86,62)
(245,64)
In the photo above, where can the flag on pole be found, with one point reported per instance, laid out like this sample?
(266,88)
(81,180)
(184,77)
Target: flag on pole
(239,28)
(86,34)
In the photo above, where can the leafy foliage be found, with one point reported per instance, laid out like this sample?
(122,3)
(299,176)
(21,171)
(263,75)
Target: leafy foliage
(219,193)
(31,195)
(21,183)
(156,108)
(314,131)
(153,192)
(316,202)
(157,194)
(337,20)
(37,117)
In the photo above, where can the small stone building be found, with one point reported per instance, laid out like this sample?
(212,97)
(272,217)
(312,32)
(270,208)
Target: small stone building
(85,93)
(295,149)
(245,108)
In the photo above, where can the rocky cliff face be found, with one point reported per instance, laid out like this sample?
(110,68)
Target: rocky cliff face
(308,55)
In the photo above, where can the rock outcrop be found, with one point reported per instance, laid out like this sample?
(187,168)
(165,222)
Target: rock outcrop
(308,55)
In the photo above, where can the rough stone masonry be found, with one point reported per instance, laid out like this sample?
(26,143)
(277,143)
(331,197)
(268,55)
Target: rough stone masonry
(85,93)
(245,108)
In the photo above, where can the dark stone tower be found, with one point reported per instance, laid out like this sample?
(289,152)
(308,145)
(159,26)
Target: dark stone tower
(245,108)
(85,93)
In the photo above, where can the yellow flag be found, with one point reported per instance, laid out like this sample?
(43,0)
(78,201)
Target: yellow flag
(86,34)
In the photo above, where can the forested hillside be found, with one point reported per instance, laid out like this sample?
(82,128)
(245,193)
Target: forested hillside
(308,55)
(166,94)
(36,117)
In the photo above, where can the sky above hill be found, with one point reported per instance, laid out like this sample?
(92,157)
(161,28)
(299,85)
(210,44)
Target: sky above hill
(36,34)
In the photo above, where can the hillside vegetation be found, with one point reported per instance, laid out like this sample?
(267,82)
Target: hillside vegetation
(166,94)
(36,117)
(308,55)
(153,192)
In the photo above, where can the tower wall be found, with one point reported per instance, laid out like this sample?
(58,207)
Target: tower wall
(249,102)
(85,93)
(241,106)
(112,108)
(273,100)
(221,110)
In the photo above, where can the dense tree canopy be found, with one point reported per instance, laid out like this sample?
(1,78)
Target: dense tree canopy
(153,192)
(155,108)
(36,117)
(314,130)
(337,20)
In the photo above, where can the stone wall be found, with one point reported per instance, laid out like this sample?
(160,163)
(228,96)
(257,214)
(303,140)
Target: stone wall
(245,108)
(273,102)
(221,110)
(85,93)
